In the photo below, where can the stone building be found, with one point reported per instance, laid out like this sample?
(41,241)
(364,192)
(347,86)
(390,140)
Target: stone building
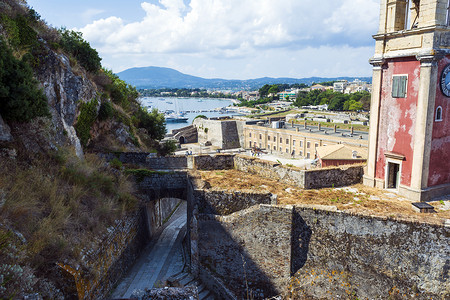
(222,134)
(299,140)
(409,145)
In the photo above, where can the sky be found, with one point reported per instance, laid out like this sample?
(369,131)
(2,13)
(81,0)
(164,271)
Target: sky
(230,39)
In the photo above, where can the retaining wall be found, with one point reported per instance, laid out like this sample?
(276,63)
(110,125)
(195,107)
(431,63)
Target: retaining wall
(248,252)
(307,179)
(162,185)
(343,255)
(220,202)
(105,264)
(214,162)
(144,160)
(158,211)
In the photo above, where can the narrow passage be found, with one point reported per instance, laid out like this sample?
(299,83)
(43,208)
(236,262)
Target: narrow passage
(158,261)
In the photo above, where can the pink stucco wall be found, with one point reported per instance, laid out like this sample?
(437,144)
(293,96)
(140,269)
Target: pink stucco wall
(397,117)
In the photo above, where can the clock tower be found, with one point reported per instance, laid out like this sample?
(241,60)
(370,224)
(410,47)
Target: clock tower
(409,142)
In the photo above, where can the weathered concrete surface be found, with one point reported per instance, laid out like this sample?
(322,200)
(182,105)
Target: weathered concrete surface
(337,254)
(248,251)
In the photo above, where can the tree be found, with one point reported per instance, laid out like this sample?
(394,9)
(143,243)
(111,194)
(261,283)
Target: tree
(264,91)
(20,97)
(154,122)
(273,89)
(74,43)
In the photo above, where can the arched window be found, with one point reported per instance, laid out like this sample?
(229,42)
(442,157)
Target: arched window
(438,114)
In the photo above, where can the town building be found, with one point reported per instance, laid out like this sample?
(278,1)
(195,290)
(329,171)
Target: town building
(290,94)
(345,87)
(289,139)
(339,154)
(409,146)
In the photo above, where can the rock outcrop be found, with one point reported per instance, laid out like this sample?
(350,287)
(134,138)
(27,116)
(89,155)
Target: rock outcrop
(64,90)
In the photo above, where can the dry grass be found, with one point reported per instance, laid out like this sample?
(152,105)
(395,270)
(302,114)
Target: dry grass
(357,199)
(59,205)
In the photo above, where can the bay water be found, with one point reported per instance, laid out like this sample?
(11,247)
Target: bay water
(193,106)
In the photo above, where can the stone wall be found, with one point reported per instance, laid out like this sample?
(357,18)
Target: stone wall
(248,252)
(214,162)
(307,179)
(105,263)
(158,211)
(342,255)
(269,169)
(166,163)
(336,176)
(220,202)
(144,160)
(162,185)
(220,133)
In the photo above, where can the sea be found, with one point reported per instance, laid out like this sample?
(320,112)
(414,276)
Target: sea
(192,106)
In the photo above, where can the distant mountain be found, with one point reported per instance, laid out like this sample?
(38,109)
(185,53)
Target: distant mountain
(156,77)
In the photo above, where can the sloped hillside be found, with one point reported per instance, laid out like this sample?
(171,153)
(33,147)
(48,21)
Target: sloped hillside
(58,106)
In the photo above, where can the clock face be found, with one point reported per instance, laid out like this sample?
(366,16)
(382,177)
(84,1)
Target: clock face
(445,81)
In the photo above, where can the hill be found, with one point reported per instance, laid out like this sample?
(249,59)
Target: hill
(157,77)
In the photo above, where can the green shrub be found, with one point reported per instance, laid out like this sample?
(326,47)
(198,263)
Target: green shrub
(154,122)
(20,98)
(87,117)
(106,111)
(121,93)
(116,163)
(167,148)
(73,42)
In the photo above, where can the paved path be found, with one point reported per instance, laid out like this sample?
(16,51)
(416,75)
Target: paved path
(158,261)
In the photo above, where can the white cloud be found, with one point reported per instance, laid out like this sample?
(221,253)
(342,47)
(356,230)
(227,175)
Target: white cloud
(90,13)
(234,29)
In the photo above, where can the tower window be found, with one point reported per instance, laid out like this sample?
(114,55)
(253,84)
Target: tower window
(399,86)
(438,114)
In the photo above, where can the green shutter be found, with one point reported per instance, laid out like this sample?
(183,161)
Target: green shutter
(399,86)
(395,86)
(403,81)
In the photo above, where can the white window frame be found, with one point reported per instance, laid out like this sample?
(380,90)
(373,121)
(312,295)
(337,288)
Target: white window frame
(386,172)
(436,119)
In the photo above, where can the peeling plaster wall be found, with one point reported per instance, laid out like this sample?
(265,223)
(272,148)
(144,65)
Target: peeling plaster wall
(440,144)
(397,117)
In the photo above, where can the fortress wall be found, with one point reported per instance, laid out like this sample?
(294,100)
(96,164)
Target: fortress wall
(220,202)
(344,255)
(336,176)
(166,162)
(248,251)
(307,179)
(214,162)
(106,262)
(143,159)
(269,169)
(230,135)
